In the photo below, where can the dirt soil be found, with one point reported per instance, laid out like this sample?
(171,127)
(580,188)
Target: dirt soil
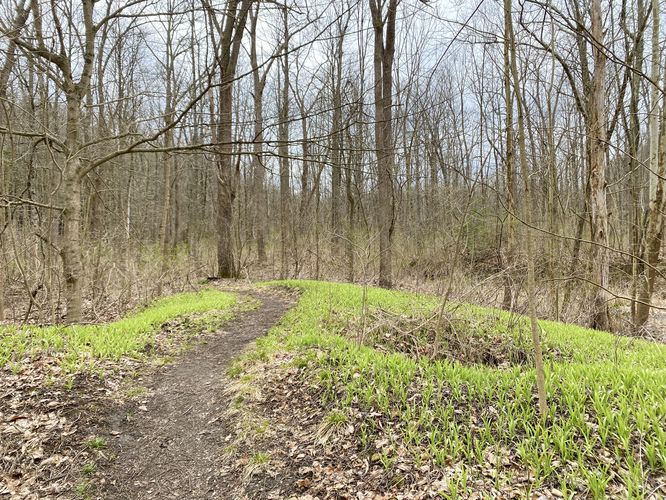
(170,443)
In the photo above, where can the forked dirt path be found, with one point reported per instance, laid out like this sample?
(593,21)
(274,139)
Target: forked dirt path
(172,447)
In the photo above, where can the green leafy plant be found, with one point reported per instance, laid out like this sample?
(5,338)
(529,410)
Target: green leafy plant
(605,391)
(79,346)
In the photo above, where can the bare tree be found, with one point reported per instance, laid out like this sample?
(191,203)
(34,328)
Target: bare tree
(598,136)
(283,150)
(228,28)
(654,227)
(527,207)
(259,76)
(61,65)
(336,132)
(509,165)
(21,17)
(384,53)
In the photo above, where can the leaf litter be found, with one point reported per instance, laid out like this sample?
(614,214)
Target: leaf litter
(47,412)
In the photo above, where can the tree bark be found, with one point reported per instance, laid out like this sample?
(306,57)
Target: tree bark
(20,18)
(336,146)
(283,138)
(71,240)
(654,228)
(509,254)
(597,134)
(226,187)
(633,146)
(230,33)
(258,167)
(166,225)
(71,216)
(384,51)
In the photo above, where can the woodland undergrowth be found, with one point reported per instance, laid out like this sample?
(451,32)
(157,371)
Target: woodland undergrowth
(455,394)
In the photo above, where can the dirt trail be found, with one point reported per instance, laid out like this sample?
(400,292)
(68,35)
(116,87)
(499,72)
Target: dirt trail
(172,446)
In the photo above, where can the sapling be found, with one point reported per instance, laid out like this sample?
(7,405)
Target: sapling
(527,207)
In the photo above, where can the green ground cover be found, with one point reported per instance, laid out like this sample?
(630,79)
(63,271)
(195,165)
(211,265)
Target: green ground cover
(605,433)
(77,346)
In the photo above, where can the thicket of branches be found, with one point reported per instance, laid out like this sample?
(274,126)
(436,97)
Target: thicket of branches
(148,143)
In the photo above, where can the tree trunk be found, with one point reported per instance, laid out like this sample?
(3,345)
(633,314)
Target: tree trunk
(653,239)
(258,168)
(259,175)
(166,221)
(230,33)
(71,241)
(4,220)
(166,224)
(22,12)
(384,50)
(597,136)
(283,148)
(654,228)
(336,147)
(226,188)
(351,209)
(633,146)
(509,254)
(527,216)
(71,215)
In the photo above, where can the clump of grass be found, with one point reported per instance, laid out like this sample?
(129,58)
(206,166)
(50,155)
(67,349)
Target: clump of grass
(78,346)
(333,423)
(336,417)
(260,458)
(96,443)
(257,461)
(82,490)
(604,434)
(88,469)
(235,370)
(135,391)
(261,427)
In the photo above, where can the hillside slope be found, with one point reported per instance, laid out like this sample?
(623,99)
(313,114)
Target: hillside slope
(367,393)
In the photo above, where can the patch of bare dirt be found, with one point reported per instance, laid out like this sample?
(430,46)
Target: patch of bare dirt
(169,442)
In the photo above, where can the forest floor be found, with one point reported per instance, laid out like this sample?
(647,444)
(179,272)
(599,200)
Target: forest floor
(346,392)
(365,394)
(140,421)
(167,444)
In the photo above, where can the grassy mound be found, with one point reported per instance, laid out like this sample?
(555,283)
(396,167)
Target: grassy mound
(75,345)
(477,422)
